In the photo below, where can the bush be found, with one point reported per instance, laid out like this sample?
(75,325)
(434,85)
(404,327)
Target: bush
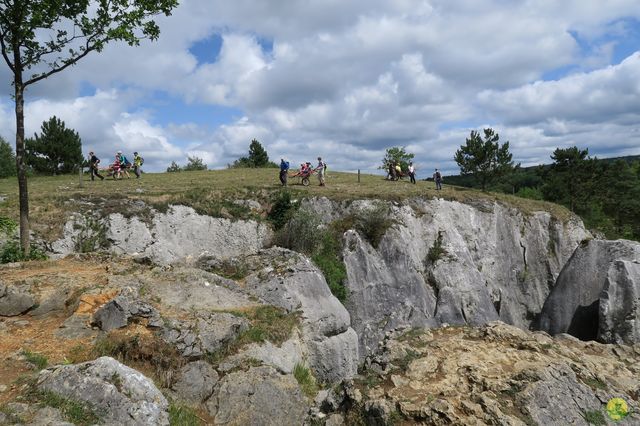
(328,260)
(306,380)
(372,223)
(437,250)
(282,209)
(12,252)
(531,193)
(300,233)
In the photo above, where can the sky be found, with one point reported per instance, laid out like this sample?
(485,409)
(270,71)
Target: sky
(347,79)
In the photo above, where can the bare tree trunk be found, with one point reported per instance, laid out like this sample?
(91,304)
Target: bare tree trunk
(20,156)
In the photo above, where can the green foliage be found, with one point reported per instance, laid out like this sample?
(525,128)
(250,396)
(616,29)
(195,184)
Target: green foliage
(485,158)
(7,225)
(373,222)
(57,150)
(571,178)
(91,235)
(39,361)
(12,252)
(437,251)
(174,168)
(620,198)
(76,412)
(398,155)
(306,380)
(300,233)
(257,158)
(531,193)
(328,259)
(7,160)
(282,209)
(194,163)
(594,417)
(182,415)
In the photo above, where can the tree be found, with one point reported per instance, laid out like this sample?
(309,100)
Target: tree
(173,168)
(194,163)
(7,160)
(620,198)
(48,36)
(485,158)
(258,158)
(396,154)
(570,179)
(56,151)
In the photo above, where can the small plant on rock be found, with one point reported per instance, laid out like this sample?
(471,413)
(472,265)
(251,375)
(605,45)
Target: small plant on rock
(305,379)
(372,223)
(437,251)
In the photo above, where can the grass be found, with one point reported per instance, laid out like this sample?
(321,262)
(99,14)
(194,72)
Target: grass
(49,195)
(39,361)
(306,380)
(437,251)
(181,415)
(594,417)
(76,412)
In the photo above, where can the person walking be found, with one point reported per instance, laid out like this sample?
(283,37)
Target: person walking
(93,165)
(437,178)
(284,170)
(137,164)
(320,168)
(125,165)
(412,173)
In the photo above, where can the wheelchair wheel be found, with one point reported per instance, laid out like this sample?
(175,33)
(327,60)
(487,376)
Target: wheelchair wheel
(305,181)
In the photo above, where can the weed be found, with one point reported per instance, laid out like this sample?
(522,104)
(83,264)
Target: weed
(305,379)
(231,269)
(437,251)
(594,383)
(594,417)
(7,225)
(300,233)
(39,361)
(181,415)
(12,252)
(403,363)
(372,223)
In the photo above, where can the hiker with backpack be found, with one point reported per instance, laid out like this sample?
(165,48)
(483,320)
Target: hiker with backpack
(93,166)
(284,170)
(437,178)
(137,164)
(412,173)
(321,168)
(125,165)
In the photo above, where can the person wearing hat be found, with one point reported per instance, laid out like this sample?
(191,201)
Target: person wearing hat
(137,164)
(93,166)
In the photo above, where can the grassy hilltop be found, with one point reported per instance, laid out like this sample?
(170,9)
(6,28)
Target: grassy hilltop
(211,192)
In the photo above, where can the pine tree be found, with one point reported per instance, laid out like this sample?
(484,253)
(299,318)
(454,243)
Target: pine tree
(57,150)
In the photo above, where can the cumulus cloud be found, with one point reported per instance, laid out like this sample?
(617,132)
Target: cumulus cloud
(346,80)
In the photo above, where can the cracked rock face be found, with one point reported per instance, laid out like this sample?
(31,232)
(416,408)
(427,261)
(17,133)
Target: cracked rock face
(14,301)
(620,304)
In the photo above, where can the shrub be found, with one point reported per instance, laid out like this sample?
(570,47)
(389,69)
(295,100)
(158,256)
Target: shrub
(300,233)
(282,209)
(372,223)
(327,259)
(12,252)
(437,251)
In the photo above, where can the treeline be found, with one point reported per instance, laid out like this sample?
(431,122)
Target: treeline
(605,193)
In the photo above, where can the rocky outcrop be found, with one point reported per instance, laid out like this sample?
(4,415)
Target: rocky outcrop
(196,382)
(496,374)
(122,309)
(574,304)
(166,237)
(258,396)
(620,304)
(444,262)
(14,300)
(120,394)
(292,282)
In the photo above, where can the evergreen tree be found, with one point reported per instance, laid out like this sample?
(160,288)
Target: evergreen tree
(173,168)
(194,163)
(7,160)
(485,159)
(258,156)
(620,198)
(571,178)
(56,151)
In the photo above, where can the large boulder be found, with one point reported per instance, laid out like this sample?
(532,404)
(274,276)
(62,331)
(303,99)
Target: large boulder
(620,304)
(573,305)
(120,394)
(14,301)
(259,396)
(119,311)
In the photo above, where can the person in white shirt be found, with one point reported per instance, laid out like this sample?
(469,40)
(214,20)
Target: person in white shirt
(412,173)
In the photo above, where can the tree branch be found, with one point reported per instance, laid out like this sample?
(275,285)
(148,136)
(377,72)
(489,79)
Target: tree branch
(4,53)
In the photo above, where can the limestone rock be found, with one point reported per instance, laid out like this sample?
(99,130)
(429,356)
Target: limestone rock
(14,301)
(207,333)
(293,283)
(123,395)
(573,305)
(196,382)
(259,396)
(123,308)
(620,304)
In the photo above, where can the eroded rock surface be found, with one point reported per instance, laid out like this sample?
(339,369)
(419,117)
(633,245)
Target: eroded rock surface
(619,316)
(122,395)
(14,300)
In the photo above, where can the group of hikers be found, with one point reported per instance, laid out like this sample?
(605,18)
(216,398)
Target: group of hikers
(119,168)
(395,172)
(306,170)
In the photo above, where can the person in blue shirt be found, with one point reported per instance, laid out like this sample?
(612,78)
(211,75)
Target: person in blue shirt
(284,170)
